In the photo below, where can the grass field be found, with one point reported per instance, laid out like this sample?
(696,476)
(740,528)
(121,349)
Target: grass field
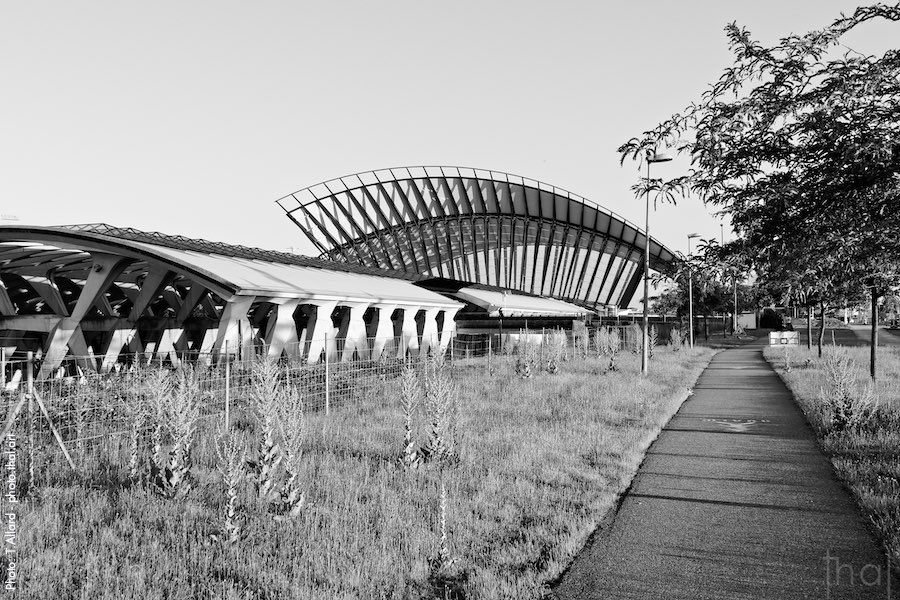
(858,426)
(541,461)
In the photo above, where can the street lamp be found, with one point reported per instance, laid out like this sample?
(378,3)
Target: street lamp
(652,157)
(691,290)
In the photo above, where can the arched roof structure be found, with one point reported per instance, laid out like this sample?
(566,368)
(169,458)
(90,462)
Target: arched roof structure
(66,252)
(477,226)
(92,290)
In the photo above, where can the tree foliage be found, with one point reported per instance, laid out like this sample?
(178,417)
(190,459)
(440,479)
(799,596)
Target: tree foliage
(801,149)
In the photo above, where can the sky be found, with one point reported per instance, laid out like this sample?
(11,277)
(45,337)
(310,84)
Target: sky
(193,118)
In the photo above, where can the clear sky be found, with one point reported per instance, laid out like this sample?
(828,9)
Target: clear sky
(192,118)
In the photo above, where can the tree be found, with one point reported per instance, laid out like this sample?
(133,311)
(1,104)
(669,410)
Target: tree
(802,151)
(712,289)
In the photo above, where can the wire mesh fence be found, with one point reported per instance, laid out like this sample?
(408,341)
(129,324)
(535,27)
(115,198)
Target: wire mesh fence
(83,420)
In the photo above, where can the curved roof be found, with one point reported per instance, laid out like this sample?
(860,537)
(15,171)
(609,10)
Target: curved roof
(477,226)
(225,269)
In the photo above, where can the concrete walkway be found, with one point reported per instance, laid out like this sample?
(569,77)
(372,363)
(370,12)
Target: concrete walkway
(734,500)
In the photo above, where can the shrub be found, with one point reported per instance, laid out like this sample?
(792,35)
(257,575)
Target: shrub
(635,338)
(608,344)
(410,392)
(290,423)
(556,348)
(652,339)
(177,406)
(440,403)
(676,339)
(231,454)
(848,405)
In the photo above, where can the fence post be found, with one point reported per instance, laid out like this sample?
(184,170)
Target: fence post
(227,388)
(327,380)
(543,337)
(29,368)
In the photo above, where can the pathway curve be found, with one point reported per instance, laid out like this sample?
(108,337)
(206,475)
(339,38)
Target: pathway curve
(734,500)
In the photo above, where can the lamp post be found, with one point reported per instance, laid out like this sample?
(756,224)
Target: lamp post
(691,290)
(652,157)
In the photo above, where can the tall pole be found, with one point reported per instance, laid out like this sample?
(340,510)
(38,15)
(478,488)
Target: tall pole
(652,157)
(734,317)
(690,295)
(646,335)
(874,344)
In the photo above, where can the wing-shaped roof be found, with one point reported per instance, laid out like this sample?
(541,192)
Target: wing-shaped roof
(478,226)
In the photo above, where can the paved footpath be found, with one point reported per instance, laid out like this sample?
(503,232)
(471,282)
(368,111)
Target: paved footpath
(734,500)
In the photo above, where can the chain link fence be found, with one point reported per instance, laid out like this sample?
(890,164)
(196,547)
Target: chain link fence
(83,420)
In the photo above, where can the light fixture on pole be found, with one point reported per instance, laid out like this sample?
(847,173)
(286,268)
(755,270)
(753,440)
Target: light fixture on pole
(691,290)
(651,157)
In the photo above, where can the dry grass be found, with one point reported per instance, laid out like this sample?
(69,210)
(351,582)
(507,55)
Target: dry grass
(541,461)
(865,453)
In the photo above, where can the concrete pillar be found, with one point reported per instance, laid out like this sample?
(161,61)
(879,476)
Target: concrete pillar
(318,328)
(205,344)
(281,333)
(352,331)
(381,329)
(448,330)
(166,347)
(155,281)
(234,326)
(409,338)
(118,339)
(429,332)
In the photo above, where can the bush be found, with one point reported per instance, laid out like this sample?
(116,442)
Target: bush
(676,339)
(849,406)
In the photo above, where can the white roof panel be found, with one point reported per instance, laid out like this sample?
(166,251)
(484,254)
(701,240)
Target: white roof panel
(517,305)
(262,278)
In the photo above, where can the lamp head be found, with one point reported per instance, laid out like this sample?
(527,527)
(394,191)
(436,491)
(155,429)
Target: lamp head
(693,235)
(655,157)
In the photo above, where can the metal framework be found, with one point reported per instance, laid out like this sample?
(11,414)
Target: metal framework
(99,292)
(477,226)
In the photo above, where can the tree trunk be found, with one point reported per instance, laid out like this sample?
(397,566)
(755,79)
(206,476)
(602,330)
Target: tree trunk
(874,334)
(809,318)
(706,327)
(821,326)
